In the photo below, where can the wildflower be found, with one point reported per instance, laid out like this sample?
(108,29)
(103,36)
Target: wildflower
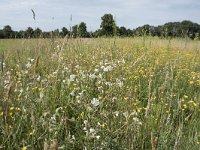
(97,137)
(103,125)
(72,78)
(24,148)
(95,102)
(18,109)
(11,108)
(108,68)
(96,70)
(191,82)
(119,83)
(73,137)
(185,106)
(92,76)
(92,130)
(28,65)
(85,122)
(116,113)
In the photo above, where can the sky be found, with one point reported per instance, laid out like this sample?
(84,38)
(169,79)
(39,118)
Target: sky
(55,14)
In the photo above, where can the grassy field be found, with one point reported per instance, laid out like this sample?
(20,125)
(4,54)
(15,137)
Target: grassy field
(91,94)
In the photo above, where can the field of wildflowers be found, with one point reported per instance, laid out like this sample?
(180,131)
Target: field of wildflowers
(92,94)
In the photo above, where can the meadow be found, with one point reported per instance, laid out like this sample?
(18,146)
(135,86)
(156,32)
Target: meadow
(140,93)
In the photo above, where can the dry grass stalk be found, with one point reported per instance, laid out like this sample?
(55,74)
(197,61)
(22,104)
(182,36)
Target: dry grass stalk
(154,141)
(54,145)
(11,88)
(36,65)
(46,146)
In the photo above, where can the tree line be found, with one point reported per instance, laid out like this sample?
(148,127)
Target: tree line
(109,28)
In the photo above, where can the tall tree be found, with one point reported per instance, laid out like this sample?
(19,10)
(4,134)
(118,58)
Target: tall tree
(7,31)
(82,30)
(108,25)
(74,31)
(1,34)
(37,32)
(29,32)
(65,31)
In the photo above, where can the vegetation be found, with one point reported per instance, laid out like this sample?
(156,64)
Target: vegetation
(108,28)
(105,93)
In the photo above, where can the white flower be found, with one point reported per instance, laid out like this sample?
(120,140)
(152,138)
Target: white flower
(72,78)
(41,94)
(85,122)
(116,113)
(92,130)
(96,70)
(95,102)
(97,137)
(28,65)
(73,137)
(137,120)
(31,60)
(38,78)
(108,68)
(72,93)
(120,83)
(92,76)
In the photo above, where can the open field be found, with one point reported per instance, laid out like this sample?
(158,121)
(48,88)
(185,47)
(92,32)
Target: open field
(114,93)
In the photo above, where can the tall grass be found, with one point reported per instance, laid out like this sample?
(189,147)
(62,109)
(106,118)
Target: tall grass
(122,93)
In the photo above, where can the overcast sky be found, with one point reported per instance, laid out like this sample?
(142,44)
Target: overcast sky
(52,14)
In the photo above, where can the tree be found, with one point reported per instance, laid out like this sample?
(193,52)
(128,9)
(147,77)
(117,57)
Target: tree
(108,25)
(1,34)
(7,31)
(37,32)
(22,34)
(74,31)
(64,31)
(56,33)
(122,31)
(82,30)
(29,32)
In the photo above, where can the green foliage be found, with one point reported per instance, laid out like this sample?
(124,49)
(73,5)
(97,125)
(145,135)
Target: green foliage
(108,25)
(82,30)
(29,32)
(75,31)
(7,31)
(37,32)
(1,34)
(108,28)
(65,31)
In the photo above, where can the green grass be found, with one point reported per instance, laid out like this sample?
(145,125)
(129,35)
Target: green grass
(114,93)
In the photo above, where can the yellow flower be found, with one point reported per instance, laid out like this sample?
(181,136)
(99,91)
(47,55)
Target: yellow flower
(82,114)
(19,109)
(103,125)
(24,148)
(11,108)
(191,82)
(185,106)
